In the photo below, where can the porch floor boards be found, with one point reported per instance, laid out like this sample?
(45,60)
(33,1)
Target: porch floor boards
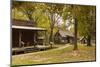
(29,48)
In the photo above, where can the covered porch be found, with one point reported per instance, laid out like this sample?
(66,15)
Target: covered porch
(26,38)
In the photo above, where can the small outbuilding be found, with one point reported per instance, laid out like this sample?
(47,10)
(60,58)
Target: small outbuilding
(83,40)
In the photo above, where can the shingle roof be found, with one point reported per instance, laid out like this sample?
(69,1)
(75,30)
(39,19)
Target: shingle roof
(23,23)
(26,25)
(65,33)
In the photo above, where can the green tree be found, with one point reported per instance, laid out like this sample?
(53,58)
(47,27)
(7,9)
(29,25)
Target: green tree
(31,10)
(87,23)
(84,21)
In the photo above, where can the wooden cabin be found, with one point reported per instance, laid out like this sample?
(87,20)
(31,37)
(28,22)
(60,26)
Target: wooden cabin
(25,34)
(62,36)
(83,40)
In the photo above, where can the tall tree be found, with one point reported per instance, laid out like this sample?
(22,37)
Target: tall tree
(53,10)
(72,13)
(87,23)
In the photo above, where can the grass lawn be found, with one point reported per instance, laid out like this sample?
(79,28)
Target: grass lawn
(57,55)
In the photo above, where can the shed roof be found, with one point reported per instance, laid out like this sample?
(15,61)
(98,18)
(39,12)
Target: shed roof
(65,33)
(23,23)
(27,28)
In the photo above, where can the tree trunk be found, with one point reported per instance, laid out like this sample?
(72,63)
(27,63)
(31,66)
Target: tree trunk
(51,42)
(51,27)
(75,35)
(51,35)
(89,40)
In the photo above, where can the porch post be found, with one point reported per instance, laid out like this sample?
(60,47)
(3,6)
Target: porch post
(20,35)
(45,37)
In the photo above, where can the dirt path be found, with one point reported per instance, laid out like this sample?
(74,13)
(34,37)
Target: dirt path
(62,47)
(37,56)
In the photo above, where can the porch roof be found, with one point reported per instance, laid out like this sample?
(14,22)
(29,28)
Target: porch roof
(28,28)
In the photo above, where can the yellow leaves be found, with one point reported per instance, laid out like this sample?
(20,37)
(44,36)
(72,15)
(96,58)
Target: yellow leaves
(18,15)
